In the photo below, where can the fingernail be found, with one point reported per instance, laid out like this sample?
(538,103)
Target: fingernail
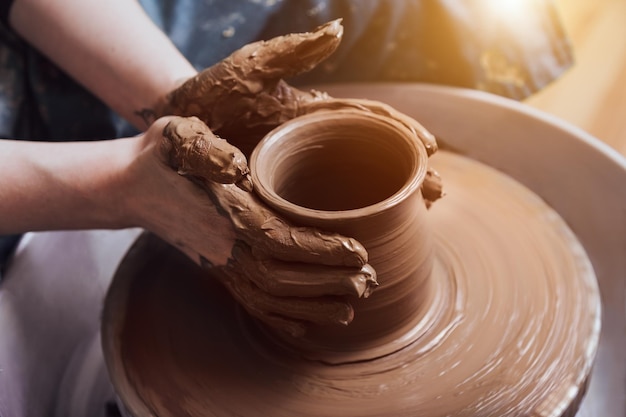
(333,28)
(319,44)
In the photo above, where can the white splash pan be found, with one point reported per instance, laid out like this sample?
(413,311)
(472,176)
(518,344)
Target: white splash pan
(51,296)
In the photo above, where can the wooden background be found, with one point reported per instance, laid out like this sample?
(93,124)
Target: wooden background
(592,93)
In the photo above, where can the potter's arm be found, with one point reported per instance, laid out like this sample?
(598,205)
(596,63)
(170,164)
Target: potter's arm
(111,47)
(71,185)
(106,184)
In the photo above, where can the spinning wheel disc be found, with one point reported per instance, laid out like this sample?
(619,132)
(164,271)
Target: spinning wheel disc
(512,331)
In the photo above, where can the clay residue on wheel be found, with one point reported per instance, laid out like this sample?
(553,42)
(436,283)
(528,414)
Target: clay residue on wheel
(513,333)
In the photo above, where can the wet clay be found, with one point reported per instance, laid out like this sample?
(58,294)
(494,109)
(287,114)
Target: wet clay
(285,275)
(279,271)
(512,330)
(193,150)
(487,304)
(244,96)
(360,174)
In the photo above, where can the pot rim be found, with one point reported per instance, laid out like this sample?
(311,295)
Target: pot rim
(277,137)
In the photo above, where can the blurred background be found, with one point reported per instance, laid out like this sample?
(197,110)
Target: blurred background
(592,93)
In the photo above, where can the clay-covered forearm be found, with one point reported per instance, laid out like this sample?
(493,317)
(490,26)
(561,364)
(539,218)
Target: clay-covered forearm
(111,47)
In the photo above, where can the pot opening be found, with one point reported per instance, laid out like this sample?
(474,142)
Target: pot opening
(344,167)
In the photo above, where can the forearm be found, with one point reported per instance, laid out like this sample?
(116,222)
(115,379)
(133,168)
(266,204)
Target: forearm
(71,185)
(111,47)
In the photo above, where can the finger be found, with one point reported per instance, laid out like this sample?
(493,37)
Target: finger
(244,95)
(272,237)
(321,311)
(288,55)
(304,280)
(253,68)
(432,188)
(244,293)
(277,238)
(376,107)
(193,150)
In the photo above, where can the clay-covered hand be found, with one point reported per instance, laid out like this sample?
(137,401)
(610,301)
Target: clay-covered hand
(244,96)
(284,275)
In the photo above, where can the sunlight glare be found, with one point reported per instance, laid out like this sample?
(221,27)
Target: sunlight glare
(508,8)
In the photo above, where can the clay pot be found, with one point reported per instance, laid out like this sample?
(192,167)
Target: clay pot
(358,174)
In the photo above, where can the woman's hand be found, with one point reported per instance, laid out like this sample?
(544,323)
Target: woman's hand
(191,188)
(244,96)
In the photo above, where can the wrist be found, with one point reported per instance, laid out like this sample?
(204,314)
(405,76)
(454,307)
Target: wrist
(113,190)
(145,182)
(153,196)
(161,105)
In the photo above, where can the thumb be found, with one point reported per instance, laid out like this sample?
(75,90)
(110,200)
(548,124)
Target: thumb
(194,151)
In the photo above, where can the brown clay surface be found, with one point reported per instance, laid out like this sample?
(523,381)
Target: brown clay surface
(359,174)
(512,332)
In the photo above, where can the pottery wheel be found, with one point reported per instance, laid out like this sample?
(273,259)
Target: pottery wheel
(512,332)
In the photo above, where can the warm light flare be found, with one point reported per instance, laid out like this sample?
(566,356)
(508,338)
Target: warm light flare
(508,8)
(515,17)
